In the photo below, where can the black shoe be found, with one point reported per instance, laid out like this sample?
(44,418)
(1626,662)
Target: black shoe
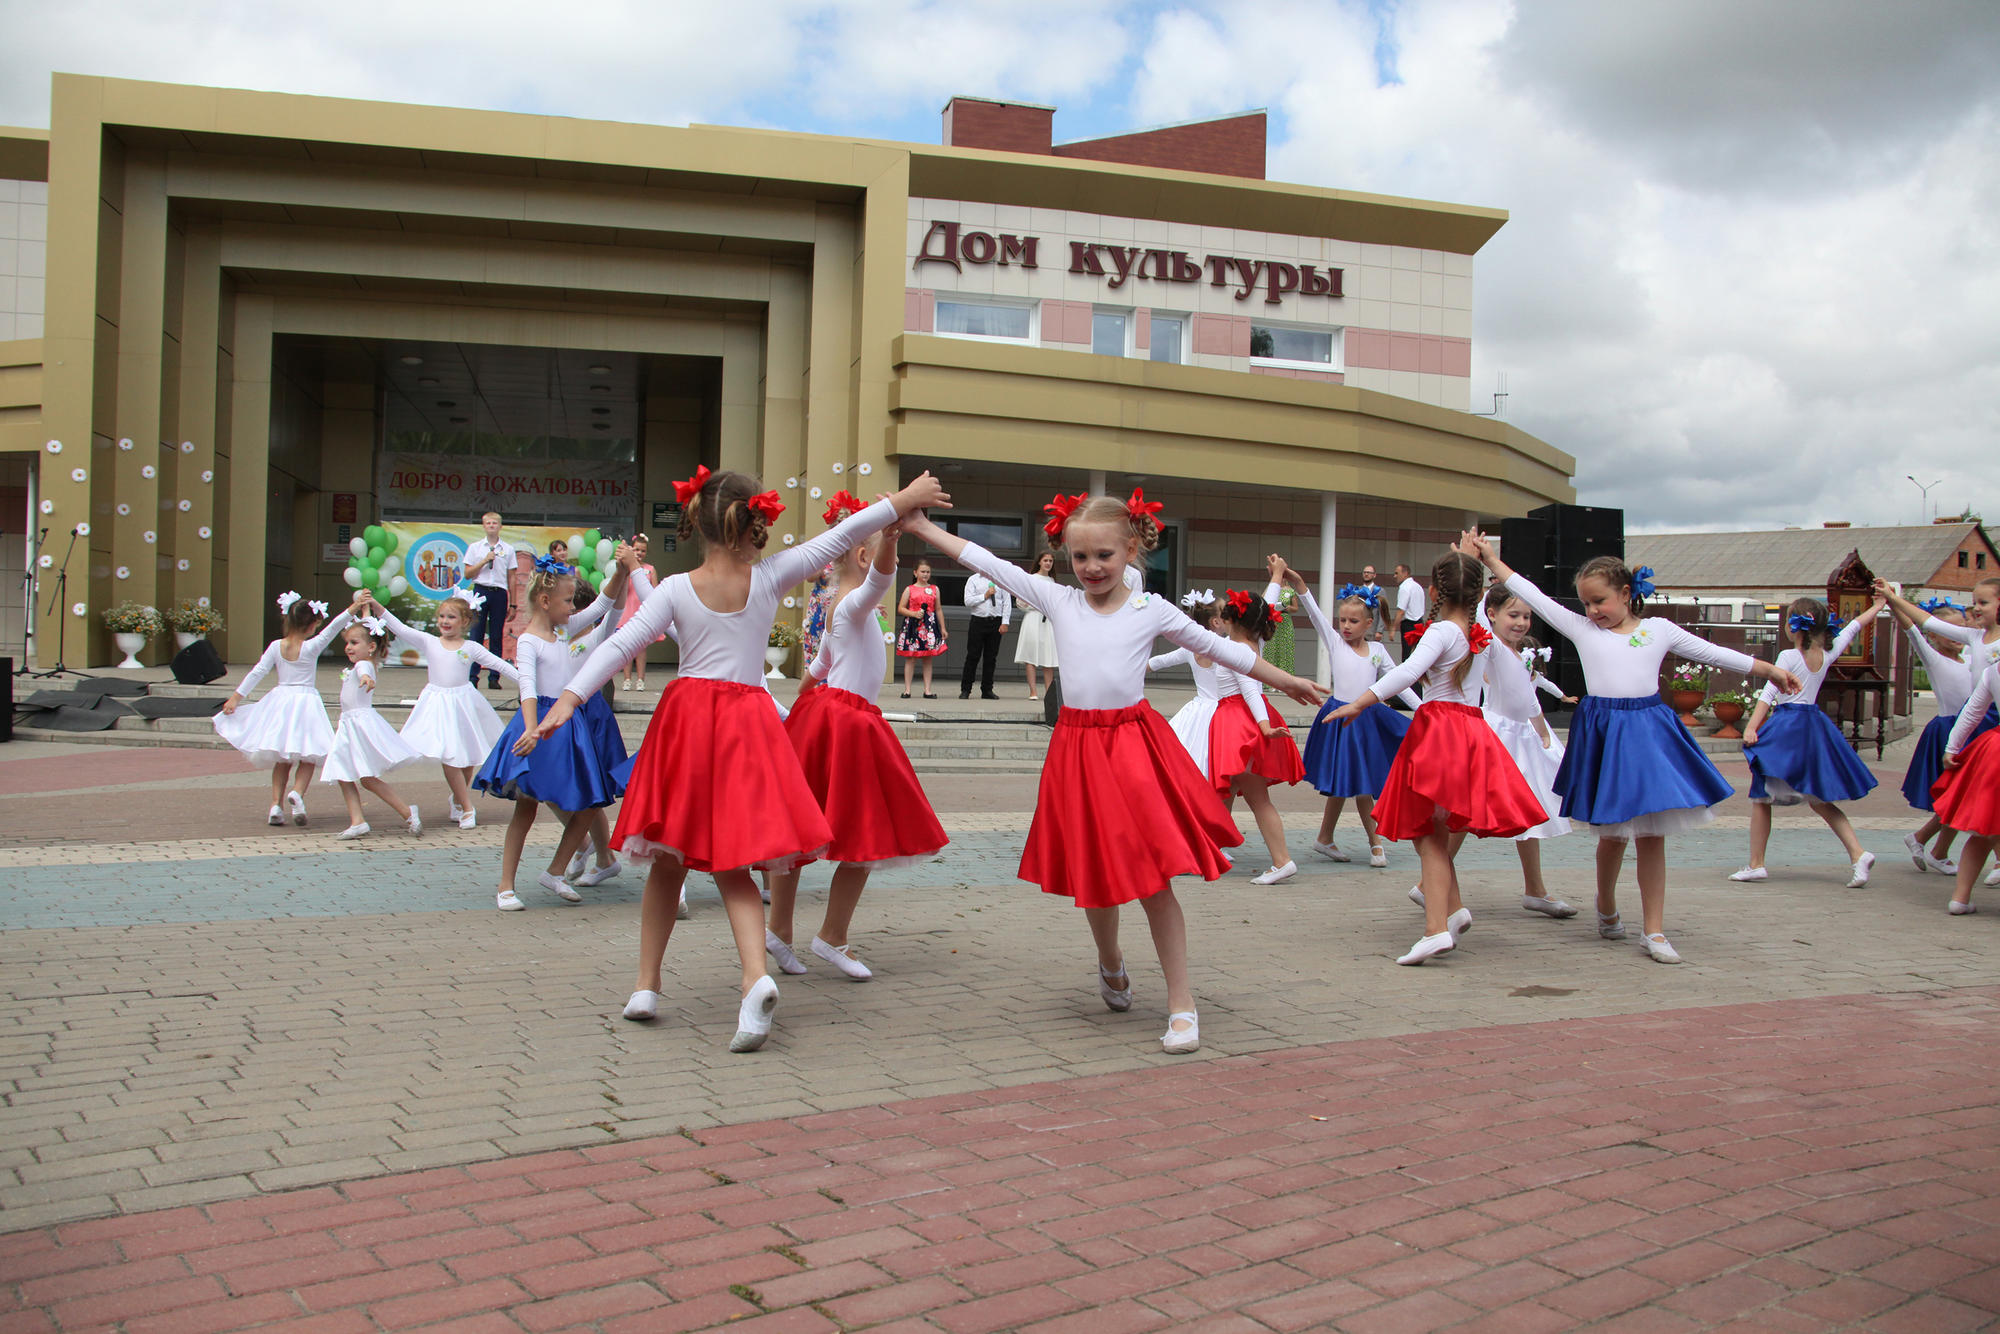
(987,694)
(965,694)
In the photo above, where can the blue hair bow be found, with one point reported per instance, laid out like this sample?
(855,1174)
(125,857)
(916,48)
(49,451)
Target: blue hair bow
(1368,593)
(1935,605)
(1834,625)
(1800,625)
(550,565)
(1642,581)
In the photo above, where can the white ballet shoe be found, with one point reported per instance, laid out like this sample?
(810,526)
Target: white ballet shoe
(508,901)
(753,1016)
(1277,875)
(1330,852)
(1957,909)
(1992,876)
(1941,865)
(842,957)
(1378,857)
(1862,868)
(559,887)
(415,823)
(1656,945)
(643,1005)
(1181,1041)
(1417,895)
(297,804)
(353,831)
(1429,947)
(1918,852)
(578,864)
(1609,927)
(681,912)
(1548,907)
(597,875)
(1115,998)
(787,961)
(1459,923)
(456,812)
(1750,873)
(1228,862)
(277,816)
(468,819)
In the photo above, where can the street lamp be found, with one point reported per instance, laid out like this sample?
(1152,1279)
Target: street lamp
(1923,505)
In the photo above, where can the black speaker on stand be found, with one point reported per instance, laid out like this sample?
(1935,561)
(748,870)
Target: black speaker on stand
(1571,536)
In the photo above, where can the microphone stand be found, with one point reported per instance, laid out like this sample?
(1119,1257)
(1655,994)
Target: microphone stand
(56,600)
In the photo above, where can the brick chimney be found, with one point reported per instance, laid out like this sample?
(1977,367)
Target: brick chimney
(1011,127)
(1227,146)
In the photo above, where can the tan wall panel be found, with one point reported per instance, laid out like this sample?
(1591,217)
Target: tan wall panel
(137,385)
(247,515)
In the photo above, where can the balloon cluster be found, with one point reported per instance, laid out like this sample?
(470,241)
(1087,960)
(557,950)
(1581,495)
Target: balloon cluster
(591,554)
(372,563)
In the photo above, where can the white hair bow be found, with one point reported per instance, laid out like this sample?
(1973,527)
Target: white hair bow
(1198,598)
(319,608)
(476,601)
(375,626)
(1528,655)
(286,599)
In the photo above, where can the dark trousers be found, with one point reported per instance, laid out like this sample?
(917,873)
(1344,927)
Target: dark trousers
(492,627)
(982,643)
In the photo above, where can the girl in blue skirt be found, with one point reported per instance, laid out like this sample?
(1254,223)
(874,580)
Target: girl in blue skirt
(1796,752)
(1630,768)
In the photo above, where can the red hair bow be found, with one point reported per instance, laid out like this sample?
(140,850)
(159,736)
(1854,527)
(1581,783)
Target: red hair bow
(686,491)
(1478,638)
(844,502)
(1239,601)
(1415,632)
(768,505)
(1059,511)
(1142,509)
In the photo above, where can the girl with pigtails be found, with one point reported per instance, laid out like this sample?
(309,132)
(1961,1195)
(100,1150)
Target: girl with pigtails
(717,786)
(1122,809)
(287,731)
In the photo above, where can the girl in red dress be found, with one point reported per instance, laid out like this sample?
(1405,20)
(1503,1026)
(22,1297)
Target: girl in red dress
(1451,774)
(716,786)
(919,629)
(1122,808)
(1248,746)
(853,762)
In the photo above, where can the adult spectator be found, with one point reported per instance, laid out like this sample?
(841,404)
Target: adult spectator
(489,564)
(1411,604)
(1378,619)
(992,608)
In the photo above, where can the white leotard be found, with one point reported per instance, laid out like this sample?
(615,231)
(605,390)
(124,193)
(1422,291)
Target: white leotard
(851,654)
(1983,694)
(1950,681)
(1809,680)
(1625,665)
(300,671)
(1434,660)
(446,664)
(546,665)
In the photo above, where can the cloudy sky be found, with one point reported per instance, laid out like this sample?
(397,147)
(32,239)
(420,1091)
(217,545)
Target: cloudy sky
(1753,272)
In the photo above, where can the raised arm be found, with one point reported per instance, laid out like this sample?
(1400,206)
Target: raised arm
(794,564)
(490,660)
(1845,639)
(258,670)
(1180,657)
(1238,658)
(1685,644)
(1401,678)
(1964,634)
(315,646)
(654,618)
(420,640)
(1934,661)
(978,559)
(581,621)
(1969,716)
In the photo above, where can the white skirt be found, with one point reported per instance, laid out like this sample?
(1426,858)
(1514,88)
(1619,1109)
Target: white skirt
(1191,723)
(1035,643)
(288,725)
(1538,765)
(453,725)
(365,746)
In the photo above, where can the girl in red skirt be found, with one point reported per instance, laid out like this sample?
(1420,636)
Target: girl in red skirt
(1451,774)
(1122,808)
(1967,795)
(1248,746)
(716,787)
(853,762)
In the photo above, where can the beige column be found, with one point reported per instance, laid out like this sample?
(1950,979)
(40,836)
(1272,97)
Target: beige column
(136,460)
(742,405)
(878,295)
(782,452)
(244,517)
(195,475)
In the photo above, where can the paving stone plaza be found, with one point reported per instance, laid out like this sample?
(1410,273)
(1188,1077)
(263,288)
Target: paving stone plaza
(258,1077)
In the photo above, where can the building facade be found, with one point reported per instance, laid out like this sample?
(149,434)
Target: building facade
(270,321)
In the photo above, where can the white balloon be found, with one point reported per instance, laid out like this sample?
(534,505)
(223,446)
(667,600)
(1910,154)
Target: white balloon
(398,586)
(604,549)
(352,576)
(391,566)
(575,545)
(358,547)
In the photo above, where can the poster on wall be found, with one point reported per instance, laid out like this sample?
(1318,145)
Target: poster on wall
(586,491)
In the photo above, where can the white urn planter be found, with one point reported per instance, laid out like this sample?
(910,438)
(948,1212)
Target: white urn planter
(129,644)
(182,638)
(772,657)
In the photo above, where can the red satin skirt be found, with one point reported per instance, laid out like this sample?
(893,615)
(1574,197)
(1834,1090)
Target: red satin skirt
(862,780)
(717,786)
(1967,798)
(1451,761)
(1237,746)
(1122,810)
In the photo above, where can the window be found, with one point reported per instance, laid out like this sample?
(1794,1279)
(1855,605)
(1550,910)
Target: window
(1314,348)
(1003,535)
(986,319)
(1979,560)
(1169,338)
(1961,560)
(1107,332)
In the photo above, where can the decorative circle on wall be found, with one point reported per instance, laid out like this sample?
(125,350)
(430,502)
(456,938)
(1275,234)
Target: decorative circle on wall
(149,536)
(46,561)
(201,602)
(123,572)
(814,493)
(207,474)
(839,468)
(79,475)
(789,539)
(83,530)
(202,532)
(187,446)
(186,505)
(125,443)
(791,483)
(48,507)
(77,609)
(180,565)
(791,602)
(123,509)
(148,471)
(55,446)
(865,468)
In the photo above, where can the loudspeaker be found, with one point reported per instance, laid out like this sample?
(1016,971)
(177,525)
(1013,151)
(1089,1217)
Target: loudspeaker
(1524,545)
(198,664)
(6,699)
(1577,535)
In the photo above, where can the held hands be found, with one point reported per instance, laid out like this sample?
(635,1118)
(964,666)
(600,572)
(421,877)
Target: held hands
(565,705)
(1477,545)
(1783,679)
(1346,712)
(918,524)
(926,492)
(1304,691)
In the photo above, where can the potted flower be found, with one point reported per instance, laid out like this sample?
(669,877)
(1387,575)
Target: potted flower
(1728,708)
(131,625)
(784,638)
(1686,688)
(192,620)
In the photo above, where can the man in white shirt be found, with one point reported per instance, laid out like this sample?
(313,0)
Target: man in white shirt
(992,609)
(1411,604)
(489,563)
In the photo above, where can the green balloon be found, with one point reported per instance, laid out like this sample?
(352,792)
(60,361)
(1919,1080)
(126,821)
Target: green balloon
(372,577)
(388,541)
(597,578)
(587,558)
(373,533)
(592,538)
(375,557)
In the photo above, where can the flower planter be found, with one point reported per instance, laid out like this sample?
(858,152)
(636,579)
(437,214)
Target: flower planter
(1728,714)
(183,638)
(129,645)
(772,658)
(1685,702)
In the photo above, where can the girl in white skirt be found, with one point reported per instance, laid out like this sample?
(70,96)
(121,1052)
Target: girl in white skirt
(1036,644)
(452,722)
(287,730)
(365,746)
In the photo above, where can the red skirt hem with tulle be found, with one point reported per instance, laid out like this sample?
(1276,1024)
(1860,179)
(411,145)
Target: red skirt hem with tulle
(1237,746)
(863,781)
(1122,810)
(1450,761)
(717,786)
(1967,798)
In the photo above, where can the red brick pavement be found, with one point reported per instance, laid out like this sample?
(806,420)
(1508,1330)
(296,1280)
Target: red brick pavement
(1792,1166)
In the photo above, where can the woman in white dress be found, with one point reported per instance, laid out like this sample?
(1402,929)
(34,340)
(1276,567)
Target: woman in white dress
(1036,644)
